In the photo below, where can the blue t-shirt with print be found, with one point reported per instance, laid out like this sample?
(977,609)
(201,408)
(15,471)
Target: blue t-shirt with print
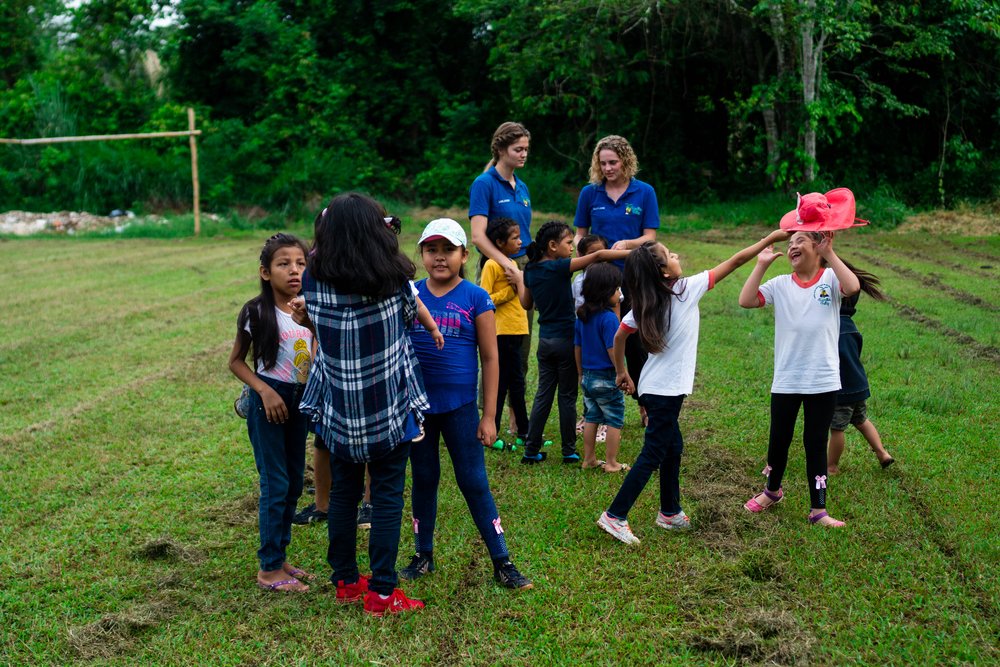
(450,374)
(595,337)
(635,211)
(492,196)
(551,285)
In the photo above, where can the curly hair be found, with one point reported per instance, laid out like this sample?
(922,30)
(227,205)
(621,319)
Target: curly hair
(504,136)
(623,149)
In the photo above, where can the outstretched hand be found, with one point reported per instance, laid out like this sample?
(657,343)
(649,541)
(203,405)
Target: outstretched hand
(768,255)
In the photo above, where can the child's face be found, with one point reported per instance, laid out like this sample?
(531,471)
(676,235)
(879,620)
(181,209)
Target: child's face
(285,271)
(801,249)
(594,247)
(563,248)
(670,262)
(512,244)
(442,259)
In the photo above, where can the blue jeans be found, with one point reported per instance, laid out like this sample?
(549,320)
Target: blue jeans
(459,430)
(661,450)
(556,367)
(279,450)
(388,475)
(603,401)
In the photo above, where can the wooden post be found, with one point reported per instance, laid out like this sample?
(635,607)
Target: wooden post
(194,173)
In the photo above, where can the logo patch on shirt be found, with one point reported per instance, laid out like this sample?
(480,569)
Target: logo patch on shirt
(525,202)
(823,294)
(630,209)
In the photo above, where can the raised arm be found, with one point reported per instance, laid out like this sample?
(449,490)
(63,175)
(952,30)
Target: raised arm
(748,253)
(748,295)
(849,283)
(580,263)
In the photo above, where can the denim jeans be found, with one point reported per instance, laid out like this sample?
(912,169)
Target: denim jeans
(459,430)
(388,476)
(661,450)
(279,450)
(556,367)
(603,401)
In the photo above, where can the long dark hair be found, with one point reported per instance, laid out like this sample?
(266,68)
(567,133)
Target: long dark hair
(553,230)
(870,284)
(652,295)
(356,251)
(259,311)
(497,230)
(600,282)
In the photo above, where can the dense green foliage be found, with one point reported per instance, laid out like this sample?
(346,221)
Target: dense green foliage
(299,99)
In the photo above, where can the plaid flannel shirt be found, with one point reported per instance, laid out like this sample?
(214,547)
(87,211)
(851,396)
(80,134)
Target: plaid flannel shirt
(365,378)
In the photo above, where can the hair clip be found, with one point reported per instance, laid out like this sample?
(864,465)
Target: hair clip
(393,223)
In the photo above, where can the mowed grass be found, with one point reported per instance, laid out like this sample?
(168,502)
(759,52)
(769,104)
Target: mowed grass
(128,490)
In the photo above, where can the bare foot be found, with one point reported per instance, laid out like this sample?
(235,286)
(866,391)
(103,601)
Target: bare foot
(826,520)
(832,470)
(297,573)
(587,465)
(616,467)
(279,580)
(763,500)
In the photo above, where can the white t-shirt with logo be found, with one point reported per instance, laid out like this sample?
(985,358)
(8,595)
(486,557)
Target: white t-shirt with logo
(294,351)
(806,332)
(670,372)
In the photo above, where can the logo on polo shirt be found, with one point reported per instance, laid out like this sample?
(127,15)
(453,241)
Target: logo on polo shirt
(525,202)
(822,294)
(633,210)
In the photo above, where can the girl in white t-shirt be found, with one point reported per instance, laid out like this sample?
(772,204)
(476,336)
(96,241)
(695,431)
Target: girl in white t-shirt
(806,359)
(665,313)
(282,355)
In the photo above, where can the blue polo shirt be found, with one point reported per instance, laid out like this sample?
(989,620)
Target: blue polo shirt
(634,211)
(492,196)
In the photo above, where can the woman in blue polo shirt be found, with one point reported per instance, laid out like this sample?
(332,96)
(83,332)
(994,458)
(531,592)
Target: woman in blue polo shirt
(622,209)
(498,193)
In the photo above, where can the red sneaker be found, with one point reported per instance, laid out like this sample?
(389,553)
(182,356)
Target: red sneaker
(347,593)
(394,604)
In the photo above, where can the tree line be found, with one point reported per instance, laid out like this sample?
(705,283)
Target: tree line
(298,99)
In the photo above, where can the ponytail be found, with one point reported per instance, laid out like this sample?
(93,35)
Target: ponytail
(553,230)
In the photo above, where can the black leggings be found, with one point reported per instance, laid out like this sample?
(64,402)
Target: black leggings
(818,413)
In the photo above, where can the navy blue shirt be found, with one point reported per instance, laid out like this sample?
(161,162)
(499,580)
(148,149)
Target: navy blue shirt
(492,196)
(450,374)
(595,337)
(853,379)
(551,285)
(636,210)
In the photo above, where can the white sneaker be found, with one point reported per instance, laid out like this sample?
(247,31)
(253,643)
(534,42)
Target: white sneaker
(679,521)
(618,528)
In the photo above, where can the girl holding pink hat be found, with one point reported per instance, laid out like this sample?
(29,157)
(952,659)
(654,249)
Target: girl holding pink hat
(806,332)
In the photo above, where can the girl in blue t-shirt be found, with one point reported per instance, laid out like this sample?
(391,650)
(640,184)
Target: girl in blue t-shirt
(548,287)
(464,314)
(594,339)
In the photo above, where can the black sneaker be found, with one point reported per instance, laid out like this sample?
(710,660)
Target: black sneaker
(309,515)
(365,515)
(531,460)
(507,576)
(419,565)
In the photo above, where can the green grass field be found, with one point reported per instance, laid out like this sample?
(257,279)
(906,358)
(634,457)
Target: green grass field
(128,489)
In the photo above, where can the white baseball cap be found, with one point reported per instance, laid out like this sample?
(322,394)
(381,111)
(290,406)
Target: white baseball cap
(443,228)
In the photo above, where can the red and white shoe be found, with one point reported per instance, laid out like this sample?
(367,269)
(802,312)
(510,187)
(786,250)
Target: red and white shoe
(396,603)
(347,593)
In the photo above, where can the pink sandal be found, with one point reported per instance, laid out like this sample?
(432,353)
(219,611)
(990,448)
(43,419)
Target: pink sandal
(753,506)
(815,518)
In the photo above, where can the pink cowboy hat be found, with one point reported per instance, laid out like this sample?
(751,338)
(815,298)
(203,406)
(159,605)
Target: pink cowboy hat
(816,212)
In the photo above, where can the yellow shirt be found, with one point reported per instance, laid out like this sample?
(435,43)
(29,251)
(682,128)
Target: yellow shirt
(511,318)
